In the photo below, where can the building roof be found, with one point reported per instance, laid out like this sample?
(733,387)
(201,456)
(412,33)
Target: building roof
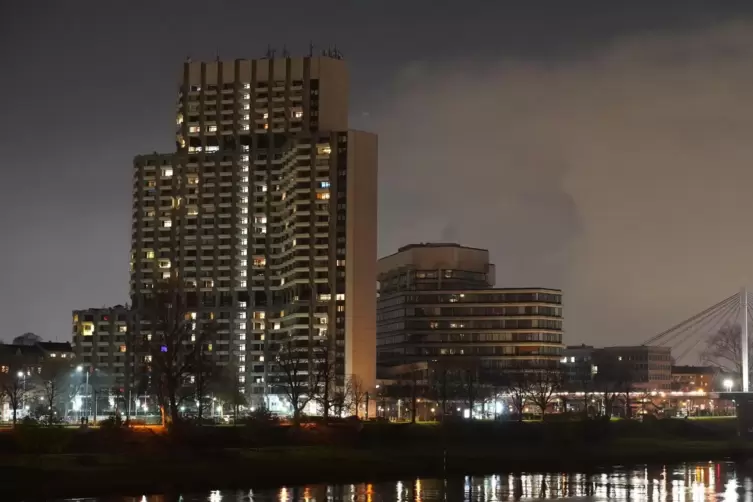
(698,370)
(55,346)
(9,349)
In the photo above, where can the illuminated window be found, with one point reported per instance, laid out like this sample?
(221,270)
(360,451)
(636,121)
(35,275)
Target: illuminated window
(165,275)
(209,347)
(194,129)
(122,348)
(150,255)
(123,329)
(322,195)
(214,148)
(297,114)
(325,297)
(242,284)
(212,128)
(167,223)
(324,184)
(164,263)
(323,149)
(167,172)
(193,211)
(259,315)
(147,359)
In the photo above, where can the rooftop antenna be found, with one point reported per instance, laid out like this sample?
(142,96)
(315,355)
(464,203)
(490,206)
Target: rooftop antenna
(217,54)
(285,52)
(311,49)
(270,52)
(188,59)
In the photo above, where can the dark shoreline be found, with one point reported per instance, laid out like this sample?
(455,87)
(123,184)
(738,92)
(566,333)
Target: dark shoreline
(45,477)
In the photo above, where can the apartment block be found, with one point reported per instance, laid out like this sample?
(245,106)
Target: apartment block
(100,342)
(266,212)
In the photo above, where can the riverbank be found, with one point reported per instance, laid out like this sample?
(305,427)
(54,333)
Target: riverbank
(128,462)
(40,477)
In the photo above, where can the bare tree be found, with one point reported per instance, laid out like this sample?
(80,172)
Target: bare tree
(298,381)
(724,349)
(517,385)
(543,385)
(229,390)
(471,385)
(325,392)
(355,392)
(205,375)
(55,378)
(614,378)
(440,387)
(13,388)
(173,347)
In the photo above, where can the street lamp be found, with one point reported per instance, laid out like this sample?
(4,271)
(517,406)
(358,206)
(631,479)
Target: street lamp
(21,374)
(728,383)
(79,369)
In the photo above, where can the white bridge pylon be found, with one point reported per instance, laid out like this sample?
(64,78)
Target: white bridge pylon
(684,337)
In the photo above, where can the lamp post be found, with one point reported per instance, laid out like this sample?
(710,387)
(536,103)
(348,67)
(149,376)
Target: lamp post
(79,369)
(22,375)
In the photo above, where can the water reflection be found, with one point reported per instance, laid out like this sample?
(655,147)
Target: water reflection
(686,482)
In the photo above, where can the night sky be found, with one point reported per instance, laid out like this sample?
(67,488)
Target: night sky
(601,147)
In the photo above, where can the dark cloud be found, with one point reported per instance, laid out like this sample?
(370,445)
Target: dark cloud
(623,177)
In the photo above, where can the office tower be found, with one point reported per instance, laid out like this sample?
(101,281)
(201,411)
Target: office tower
(99,342)
(438,303)
(267,213)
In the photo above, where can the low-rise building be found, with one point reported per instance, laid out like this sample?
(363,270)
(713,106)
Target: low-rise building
(643,367)
(702,378)
(100,341)
(578,366)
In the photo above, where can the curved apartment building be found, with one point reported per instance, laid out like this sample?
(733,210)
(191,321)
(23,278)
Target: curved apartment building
(437,303)
(267,214)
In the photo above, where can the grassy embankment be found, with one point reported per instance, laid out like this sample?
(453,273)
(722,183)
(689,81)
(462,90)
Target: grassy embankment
(56,462)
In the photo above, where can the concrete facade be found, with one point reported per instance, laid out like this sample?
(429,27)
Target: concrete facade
(267,214)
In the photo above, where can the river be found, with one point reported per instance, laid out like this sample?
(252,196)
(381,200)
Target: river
(686,482)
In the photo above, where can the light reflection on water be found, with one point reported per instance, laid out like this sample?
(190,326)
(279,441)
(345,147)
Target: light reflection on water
(687,482)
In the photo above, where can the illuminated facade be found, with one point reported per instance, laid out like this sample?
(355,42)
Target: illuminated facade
(267,214)
(99,341)
(437,303)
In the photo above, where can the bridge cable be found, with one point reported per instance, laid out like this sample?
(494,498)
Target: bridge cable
(731,311)
(698,328)
(692,322)
(689,320)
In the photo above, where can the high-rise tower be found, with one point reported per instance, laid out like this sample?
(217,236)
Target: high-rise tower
(267,214)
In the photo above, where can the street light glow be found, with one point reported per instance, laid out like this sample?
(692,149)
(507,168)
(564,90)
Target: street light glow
(79,368)
(20,374)
(728,384)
